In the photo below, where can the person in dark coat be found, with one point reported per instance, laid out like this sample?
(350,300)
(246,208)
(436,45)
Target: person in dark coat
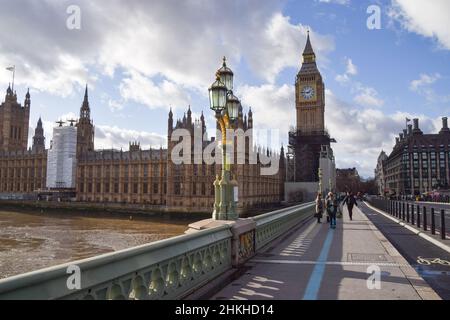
(332,206)
(319,207)
(350,200)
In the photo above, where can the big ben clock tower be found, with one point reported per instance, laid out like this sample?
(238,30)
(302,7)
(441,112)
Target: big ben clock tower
(310,137)
(310,94)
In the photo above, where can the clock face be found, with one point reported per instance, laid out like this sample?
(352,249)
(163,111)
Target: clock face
(308,92)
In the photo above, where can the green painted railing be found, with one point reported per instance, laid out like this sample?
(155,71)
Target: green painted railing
(271,225)
(167,269)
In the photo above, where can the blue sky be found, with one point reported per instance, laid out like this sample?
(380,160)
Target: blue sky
(154,55)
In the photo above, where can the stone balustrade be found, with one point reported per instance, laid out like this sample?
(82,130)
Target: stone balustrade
(167,269)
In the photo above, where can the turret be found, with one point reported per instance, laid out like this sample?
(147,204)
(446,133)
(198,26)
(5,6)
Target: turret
(250,119)
(85,127)
(170,123)
(38,138)
(27,103)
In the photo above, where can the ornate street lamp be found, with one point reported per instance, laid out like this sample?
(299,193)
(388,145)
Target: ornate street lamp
(226,107)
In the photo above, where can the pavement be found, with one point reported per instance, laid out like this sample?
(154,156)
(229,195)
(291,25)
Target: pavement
(429,260)
(314,262)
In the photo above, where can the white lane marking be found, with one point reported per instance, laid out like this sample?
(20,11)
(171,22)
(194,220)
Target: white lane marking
(331,263)
(414,230)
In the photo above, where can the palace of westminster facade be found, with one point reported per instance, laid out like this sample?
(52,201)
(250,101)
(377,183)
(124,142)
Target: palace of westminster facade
(141,177)
(150,177)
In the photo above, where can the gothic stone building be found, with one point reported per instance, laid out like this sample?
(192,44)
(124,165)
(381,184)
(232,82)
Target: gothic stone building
(21,171)
(307,139)
(419,162)
(150,177)
(141,177)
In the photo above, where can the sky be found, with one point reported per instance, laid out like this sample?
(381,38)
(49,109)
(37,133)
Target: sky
(141,58)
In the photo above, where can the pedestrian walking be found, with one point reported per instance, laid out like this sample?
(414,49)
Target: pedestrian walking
(332,206)
(350,200)
(319,207)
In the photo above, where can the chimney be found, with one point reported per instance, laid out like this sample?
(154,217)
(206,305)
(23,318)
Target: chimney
(397,140)
(405,133)
(401,137)
(445,128)
(410,129)
(416,129)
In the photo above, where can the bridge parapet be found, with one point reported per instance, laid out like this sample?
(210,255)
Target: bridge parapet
(167,269)
(271,225)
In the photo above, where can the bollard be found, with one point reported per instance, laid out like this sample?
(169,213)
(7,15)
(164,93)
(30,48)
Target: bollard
(407,212)
(443,224)
(433,222)
(425,227)
(418,216)
(412,215)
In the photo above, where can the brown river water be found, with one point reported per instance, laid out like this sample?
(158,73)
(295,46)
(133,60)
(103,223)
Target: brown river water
(32,241)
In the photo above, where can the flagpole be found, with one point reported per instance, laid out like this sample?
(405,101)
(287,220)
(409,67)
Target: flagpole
(14,75)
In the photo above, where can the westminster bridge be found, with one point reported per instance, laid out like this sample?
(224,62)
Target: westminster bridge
(283,254)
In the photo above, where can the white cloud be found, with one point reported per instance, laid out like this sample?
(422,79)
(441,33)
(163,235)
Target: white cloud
(181,41)
(424,80)
(107,137)
(364,95)
(273,106)
(351,68)
(429,19)
(423,86)
(368,97)
(361,134)
(342,78)
(143,90)
(342,2)
(115,105)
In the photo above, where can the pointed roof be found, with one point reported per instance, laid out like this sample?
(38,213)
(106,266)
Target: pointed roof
(39,123)
(86,99)
(308,47)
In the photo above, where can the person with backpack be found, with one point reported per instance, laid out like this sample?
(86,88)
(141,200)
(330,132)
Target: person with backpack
(350,200)
(332,207)
(319,207)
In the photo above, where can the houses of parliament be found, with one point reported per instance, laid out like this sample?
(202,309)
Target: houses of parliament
(141,177)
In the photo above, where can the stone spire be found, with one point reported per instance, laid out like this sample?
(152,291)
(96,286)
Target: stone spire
(27,103)
(85,128)
(250,118)
(170,123)
(85,111)
(308,48)
(38,138)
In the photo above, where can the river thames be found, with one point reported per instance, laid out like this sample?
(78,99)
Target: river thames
(32,241)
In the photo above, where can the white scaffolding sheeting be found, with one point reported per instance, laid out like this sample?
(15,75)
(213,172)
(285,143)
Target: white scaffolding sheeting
(61,160)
